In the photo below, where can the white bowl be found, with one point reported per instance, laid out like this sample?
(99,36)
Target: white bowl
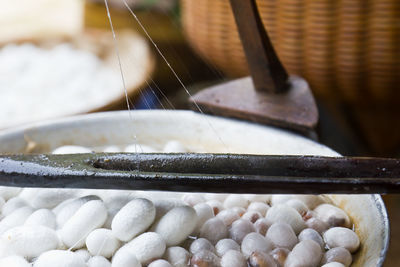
(202,133)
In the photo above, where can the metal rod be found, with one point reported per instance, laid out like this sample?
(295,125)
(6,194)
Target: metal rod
(204,173)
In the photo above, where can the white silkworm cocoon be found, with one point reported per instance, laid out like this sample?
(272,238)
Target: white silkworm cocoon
(280,255)
(240,229)
(133,219)
(204,212)
(214,230)
(228,216)
(224,245)
(311,201)
(305,253)
(101,242)
(139,148)
(297,205)
(176,225)
(216,196)
(192,199)
(30,241)
(342,237)
(71,149)
(233,258)
(255,242)
(7,192)
(165,205)
(262,225)
(277,199)
(201,244)
(252,216)
(146,247)
(14,261)
(286,214)
(16,218)
(124,258)
(261,207)
(205,258)
(114,204)
(90,216)
(258,198)
(160,263)
(13,204)
(83,253)
(43,217)
(282,235)
(177,256)
(235,200)
(333,264)
(98,261)
(68,209)
(337,254)
(48,198)
(332,215)
(311,234)
(261,259)
(174,146)
(215,205)
(54,258)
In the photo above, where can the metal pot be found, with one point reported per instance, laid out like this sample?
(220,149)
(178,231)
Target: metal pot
(202,133)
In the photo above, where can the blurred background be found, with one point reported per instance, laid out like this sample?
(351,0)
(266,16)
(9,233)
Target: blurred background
(59,58)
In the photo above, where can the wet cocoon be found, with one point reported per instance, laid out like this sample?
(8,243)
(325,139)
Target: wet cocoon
(342,237)
(201,244)
(255,242)
(282,235)
(233,258)
(177,256)
(305,253)
(286,214)
(338,254)
(176,225)
(101,242)
(53,258)
(332,215)
(224,245)
(214,230)
(134,218)
(333,264)
(30,241)
(90,216)
(240,229)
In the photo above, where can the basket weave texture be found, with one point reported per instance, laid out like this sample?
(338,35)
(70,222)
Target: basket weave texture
(346,49)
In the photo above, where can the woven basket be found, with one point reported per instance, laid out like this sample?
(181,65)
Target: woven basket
(346,49)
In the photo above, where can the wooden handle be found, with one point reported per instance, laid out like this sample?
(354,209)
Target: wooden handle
(265,67)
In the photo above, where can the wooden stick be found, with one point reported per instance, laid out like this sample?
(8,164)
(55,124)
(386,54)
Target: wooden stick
(267,71)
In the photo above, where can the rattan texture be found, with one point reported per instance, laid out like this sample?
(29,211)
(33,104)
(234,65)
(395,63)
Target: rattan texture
(345,49)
